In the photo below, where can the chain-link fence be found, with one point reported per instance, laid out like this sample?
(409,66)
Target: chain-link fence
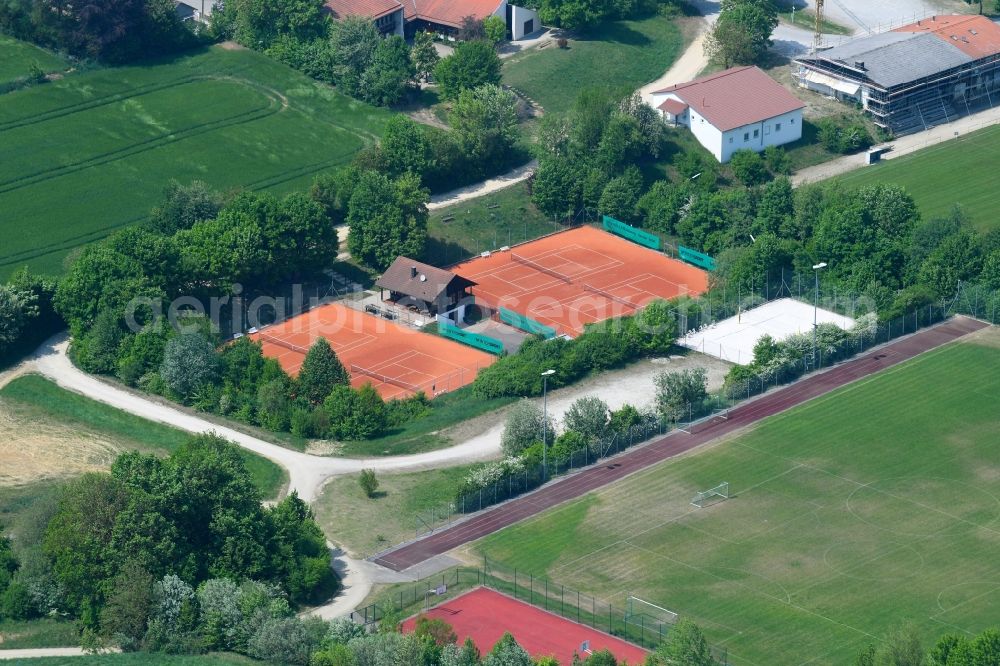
(556,598)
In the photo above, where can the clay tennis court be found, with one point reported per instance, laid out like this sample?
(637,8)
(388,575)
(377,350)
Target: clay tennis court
(396,360)
(577,277)
(484,615)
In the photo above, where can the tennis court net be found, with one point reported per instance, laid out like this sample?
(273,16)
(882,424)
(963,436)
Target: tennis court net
(541,269)
(282,343)
(610,296)
(385,379)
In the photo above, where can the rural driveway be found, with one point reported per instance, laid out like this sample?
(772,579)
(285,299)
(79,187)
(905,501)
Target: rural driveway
(483,188)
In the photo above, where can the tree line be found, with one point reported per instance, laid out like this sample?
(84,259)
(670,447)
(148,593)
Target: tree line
(902,646)
(174,555)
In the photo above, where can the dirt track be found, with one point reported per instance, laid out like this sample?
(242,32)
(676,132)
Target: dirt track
(677,443)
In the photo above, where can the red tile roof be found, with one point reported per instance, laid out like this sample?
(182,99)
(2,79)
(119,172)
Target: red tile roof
(372,8)
(976,36)
(736,97)
(445,12)
(673,107)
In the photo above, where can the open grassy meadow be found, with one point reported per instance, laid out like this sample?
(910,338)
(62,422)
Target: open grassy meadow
(941,176)
(618,54)
(877,504)
(17,57)
(51,433)
(92,152)
(144,659)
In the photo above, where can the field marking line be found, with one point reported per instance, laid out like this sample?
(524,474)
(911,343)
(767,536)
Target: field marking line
(758,592)
(996,586)
(676,518)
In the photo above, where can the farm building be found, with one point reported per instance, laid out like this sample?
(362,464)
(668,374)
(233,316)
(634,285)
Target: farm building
(916,76)
(737,109)
(404,17)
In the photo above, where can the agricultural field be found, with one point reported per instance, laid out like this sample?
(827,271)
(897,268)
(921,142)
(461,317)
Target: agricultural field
(877,504)
(364,526)
(92,152)
(622,54)
(144,659)
(463,230)
(53,434)
(17,57)
(938,177)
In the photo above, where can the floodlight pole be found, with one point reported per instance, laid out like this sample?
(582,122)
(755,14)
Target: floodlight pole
(816,270)
(545,422)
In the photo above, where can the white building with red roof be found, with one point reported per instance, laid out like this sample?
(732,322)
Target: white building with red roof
(738,109)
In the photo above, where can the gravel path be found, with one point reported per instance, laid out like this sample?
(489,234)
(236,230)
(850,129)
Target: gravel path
(483,188)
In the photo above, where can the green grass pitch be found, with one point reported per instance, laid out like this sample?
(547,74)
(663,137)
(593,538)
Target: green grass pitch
(939,177)
(877,504)
(92,152)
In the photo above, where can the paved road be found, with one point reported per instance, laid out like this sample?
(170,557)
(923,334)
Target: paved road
(676,443)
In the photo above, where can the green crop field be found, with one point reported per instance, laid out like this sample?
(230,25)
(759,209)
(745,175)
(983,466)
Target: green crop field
(877,504)
(144,659)
(938,177)
(621,54)
(17,57)
(92,152)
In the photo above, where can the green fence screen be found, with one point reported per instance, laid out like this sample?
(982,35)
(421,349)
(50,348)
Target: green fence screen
(525,324)
(696,258)
(484,342)
(639,236)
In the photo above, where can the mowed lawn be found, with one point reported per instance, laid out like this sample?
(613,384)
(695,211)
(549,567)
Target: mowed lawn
(875,505)
(32,399)
(91,153)
(17,57)
(939,177)
(620,54)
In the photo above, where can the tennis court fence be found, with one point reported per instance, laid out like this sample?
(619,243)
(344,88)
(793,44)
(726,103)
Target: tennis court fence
(413,598)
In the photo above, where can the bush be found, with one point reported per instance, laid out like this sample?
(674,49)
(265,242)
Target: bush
(587,416)
(16,603)
(679,394)
(189,361)
(368,482)
(563,43)
(777,160)
(843,135)
(748,167)
(523,428)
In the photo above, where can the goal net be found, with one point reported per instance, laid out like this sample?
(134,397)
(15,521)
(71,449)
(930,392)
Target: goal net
(711,496)
(645,614)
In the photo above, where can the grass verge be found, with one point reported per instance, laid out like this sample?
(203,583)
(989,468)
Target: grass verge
(17,57)
(876,504)
(364,526)
(144,659)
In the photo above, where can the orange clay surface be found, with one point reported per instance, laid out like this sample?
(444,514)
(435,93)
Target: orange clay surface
(396,360)
(598,276)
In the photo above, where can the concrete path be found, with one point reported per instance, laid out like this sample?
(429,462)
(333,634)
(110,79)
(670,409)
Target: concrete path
(902,146)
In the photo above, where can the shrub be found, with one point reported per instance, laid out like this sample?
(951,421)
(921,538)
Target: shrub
(748,167)
(587,416)
(678,393)
(777,160)
(189,361)
(563,43)
(524,427)
(368,482)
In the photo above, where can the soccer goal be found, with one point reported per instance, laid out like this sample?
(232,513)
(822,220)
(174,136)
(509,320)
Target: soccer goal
(711,496)
(641,612)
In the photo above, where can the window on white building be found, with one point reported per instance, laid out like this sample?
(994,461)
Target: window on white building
(730,139)
(777,127)
(756,133)
(746,136)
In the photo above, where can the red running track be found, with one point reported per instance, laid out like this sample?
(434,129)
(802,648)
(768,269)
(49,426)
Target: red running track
(484,615)
(676,443)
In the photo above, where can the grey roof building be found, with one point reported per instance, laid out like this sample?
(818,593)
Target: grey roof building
(916,76)
(424,287)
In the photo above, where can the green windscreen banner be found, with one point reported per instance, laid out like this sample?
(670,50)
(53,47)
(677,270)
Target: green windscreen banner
(639,236)
(483,342)
(518,320)
(696,258)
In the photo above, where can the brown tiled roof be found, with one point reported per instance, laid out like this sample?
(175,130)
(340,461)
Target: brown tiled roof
(736,97)
(673,107)
(373,8)
(976,36)
(419,280)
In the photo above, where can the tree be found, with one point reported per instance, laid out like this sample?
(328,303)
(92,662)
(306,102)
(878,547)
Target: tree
(355,415)
(183,206)
(386,79)
(572,14)
(494,30)
(466,655)
(470,29)
(748,167)
(423,55)
(353,41)
(686,645)
(524,427)
(404,148)
(129,605)
(679,394)
(436,629)
(588,415)
(368,482)
(506,652)
(942,650)
(258,23)
(555,188)
(661,205)
(18,309)
(742,33)
(621,143)
(8,561)
(621,195)
(473,64)
(189,361)
(320,372)
(485,122)
(901,647)
(387,218)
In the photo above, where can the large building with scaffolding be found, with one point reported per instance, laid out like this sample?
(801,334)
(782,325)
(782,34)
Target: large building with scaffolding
(914,77)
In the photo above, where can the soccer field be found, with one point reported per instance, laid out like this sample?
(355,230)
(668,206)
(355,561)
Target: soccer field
(91,153)
(938,177)
(876,504)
